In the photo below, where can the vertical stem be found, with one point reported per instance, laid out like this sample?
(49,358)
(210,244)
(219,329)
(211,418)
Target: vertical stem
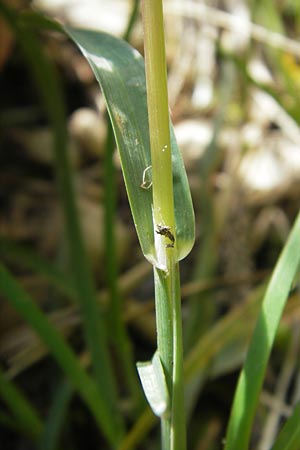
(178,412)
(164,327)
(166,272)
(158,113)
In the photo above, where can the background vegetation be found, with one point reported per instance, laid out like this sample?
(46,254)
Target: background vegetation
(76,294)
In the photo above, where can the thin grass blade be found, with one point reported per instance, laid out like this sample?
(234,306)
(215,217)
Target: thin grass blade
(61,351)
(251,378)
(29,259)
(26,416)
(289,436)
(49,88)
(56,416)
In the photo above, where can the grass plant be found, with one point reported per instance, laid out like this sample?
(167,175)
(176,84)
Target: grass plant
(159,196)
(164,240)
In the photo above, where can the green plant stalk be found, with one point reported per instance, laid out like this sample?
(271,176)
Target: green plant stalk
(166,272)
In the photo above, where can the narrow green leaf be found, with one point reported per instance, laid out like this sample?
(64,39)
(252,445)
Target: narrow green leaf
(49,88)
(27,258)
(56,416)
(24,413)
(289,436)
(9,422)
(202,355)
(251,378)
(61,351)
(120,72)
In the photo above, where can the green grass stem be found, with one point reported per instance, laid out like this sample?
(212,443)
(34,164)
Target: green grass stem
(166,274)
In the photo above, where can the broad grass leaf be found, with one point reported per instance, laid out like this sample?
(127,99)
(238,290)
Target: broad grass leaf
(120,72)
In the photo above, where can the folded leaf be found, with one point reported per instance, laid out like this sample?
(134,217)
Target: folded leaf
(120,72)
(154,384)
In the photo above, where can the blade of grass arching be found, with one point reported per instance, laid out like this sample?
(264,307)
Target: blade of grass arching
(71,314)
(266,13)
(8,422)
(120,72)
(94,327)
(139,431)
(27,258)
(242,67)
(56,417)
(235,327)
(251,378)
(289,435)
(38,21)
(132,20)
(27,418)
(118,335)
(60,350)
(222,333)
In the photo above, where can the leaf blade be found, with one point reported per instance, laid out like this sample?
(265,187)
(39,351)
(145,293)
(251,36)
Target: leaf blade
(119,70)
(289,436)
(251,377)
(60,350)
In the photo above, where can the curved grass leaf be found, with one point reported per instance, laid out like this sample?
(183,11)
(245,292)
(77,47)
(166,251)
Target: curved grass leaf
(227,330)
(56,417)
(27,258)
(289,436)
(218,337)
(251,378)
(61,351)
(120,72)
(27,418)
(48,86)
